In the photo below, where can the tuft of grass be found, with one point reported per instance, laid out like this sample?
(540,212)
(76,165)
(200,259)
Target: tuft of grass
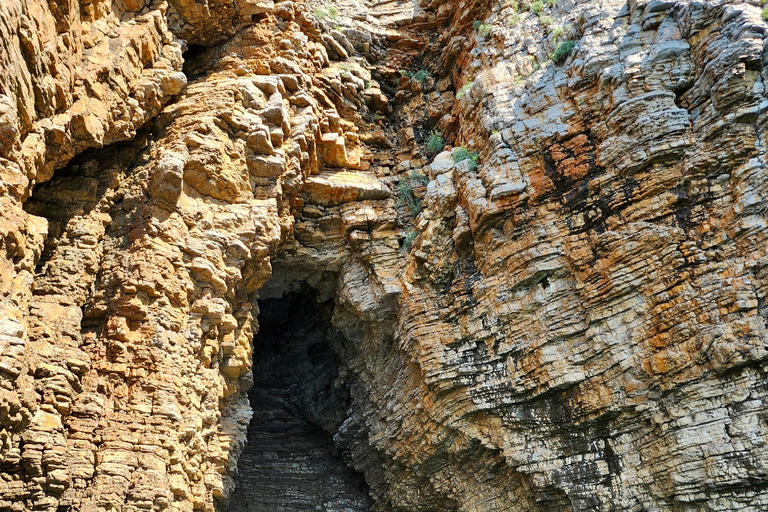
(551,3)
(420,177)
(320,14)
(410,237)
(368,84)
(463,153)
(537,7)
(435,142)
(333,13)
(765,13)
(514,19)
(464,90)
(546,20)
(563,51)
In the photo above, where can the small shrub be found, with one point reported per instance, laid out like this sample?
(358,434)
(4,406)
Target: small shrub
(537,7)
(551,3)
(421,75)
(368,84)
(333,13)
(484,30)
(435,142)
(557,32)
(464,90)
(514,19)
(408,198)
(463,153)
(563,51)
(410,236)
(320,14)
(546,20)
(476,24)
(765,13)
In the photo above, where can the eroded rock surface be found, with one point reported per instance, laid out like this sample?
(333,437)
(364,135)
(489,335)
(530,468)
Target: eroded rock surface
(573,320)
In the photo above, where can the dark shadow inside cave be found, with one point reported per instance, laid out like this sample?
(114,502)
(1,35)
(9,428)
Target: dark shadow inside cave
(290,462)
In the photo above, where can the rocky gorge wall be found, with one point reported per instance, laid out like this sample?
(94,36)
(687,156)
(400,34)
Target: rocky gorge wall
(575,321)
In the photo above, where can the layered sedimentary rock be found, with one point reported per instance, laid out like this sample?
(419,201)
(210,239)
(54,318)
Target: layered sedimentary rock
(575,320)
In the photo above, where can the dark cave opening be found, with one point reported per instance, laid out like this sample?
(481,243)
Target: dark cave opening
(290,462)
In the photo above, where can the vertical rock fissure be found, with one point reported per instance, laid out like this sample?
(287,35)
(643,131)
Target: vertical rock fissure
(290,462)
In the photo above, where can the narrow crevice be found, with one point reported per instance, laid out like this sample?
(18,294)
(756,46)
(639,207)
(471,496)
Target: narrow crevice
(290,461)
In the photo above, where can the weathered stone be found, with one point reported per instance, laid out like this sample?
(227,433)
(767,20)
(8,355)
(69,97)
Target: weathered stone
(574,321)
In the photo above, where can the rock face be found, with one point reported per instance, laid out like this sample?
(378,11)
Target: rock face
(563,309)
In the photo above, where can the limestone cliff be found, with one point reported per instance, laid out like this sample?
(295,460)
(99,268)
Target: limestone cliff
(505,255)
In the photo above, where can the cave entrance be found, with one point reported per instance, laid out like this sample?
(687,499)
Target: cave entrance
(290,462)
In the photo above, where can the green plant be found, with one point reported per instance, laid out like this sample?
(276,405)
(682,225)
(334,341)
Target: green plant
(338,27)
(557,32)
(481,28)
(551,3)
(563,51)
(435,142)
(408,197)
(464,90)
(330,13)
(462,153)
(421,75)
(546,20)
(420,177)
(410,237)
(368,84)
(537,6)
(765,13)
(514,19)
